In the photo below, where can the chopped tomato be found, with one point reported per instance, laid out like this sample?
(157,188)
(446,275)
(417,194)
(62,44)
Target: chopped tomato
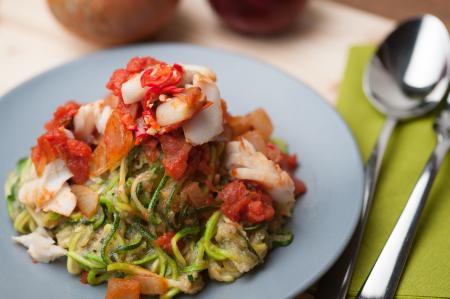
(300,187)
(164,241)
(77,157)
(118,77)
(150,147)
(83,277)
(288,162)
(199,159)
(261,210)
(176,153)
(244,201)
(122,288)
(63,115)
(114,145)
(55,144)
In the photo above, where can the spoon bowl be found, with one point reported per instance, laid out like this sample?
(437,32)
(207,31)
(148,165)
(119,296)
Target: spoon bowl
(406,78)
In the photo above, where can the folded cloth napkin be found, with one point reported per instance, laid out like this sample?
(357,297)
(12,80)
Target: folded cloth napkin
(427,273)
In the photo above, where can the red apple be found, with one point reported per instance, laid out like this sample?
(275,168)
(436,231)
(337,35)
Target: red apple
(259,16)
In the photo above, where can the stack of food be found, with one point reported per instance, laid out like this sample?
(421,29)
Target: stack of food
(154,185)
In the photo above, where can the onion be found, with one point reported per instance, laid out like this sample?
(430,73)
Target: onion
(87,200)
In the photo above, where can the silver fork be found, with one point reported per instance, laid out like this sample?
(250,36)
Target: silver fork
(385,275)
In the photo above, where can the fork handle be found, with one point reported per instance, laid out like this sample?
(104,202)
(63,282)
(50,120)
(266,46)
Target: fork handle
(385,275)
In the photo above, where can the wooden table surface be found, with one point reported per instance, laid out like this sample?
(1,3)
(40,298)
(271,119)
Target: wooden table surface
(31,41)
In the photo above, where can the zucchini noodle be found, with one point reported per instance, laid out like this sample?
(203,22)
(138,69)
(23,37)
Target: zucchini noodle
(108,237)
(145,176)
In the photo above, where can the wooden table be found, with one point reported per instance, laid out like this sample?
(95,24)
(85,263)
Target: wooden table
(31,41)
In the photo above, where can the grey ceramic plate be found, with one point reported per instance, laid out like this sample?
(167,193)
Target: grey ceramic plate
(330,164)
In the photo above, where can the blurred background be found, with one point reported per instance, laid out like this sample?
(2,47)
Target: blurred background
(308,39)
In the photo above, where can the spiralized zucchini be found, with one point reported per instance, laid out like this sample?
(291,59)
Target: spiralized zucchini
(138,205)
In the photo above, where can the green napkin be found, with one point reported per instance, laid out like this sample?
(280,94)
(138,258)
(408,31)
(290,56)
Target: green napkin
(427,273)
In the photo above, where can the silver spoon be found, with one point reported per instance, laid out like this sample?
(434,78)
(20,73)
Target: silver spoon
(385,275)
(407,77)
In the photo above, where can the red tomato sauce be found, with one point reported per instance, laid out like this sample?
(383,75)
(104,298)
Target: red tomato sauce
(63,115)
(176,153)
(244,201)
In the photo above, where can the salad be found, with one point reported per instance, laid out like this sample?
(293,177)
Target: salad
(156,186)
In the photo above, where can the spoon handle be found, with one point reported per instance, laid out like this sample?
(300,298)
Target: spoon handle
(335,283)
(385,275)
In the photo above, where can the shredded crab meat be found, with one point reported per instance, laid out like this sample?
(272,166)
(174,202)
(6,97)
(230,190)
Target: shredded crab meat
(41,246)
(50,191)
(244,162)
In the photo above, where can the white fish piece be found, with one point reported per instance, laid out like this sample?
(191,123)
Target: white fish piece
(172,112)
(49,192)
(244,162)
(180,107)
(55,175)
(132,90)
(63,203)
(208,123)
(41,246)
